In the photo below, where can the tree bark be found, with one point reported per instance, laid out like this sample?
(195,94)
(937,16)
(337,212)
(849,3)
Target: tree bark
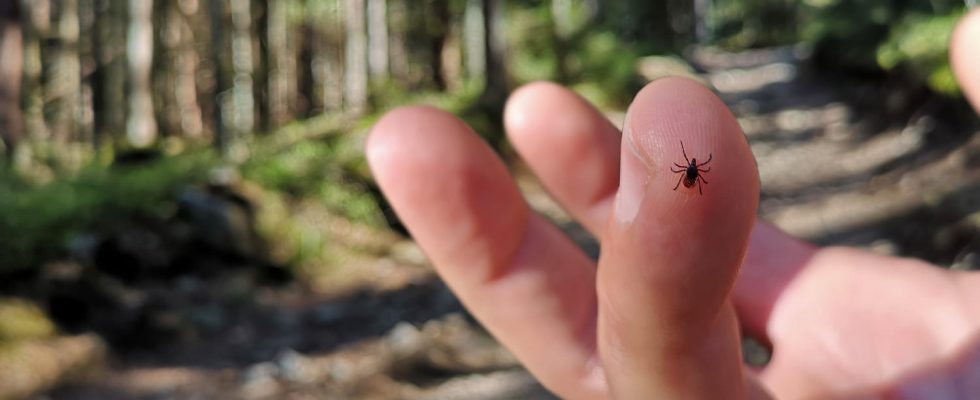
(452,55)
(64,75)
(355,73)
(217,14)
(11,69)
(185,67)
(86,106)
(326,46)
(108,89)
(497,79)
(377,11)
(438,34)
(141,128)
(279,64)
(398,48)
(243,114)
(475,42)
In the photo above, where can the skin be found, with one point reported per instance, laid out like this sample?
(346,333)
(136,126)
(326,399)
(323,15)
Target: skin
(681,275)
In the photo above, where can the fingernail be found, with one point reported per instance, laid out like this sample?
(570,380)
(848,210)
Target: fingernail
(633,178)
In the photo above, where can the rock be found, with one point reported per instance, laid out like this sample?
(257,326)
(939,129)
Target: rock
(408,252)
(259,381)
(446,347)
(502,385)
(223,223)
(405,340)
(293,366)
(328,314)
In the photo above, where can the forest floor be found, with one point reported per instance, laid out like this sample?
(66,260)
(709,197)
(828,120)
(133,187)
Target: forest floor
(836,169)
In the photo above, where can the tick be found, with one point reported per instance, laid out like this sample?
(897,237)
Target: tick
(692,172)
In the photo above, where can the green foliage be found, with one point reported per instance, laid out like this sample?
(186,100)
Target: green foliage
(595,60)
(536,58)
(606,65)
(921,43)
(326,170)
(37,221)
(749,24)
(910,37)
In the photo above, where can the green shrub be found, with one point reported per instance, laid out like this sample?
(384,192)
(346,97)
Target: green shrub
(921,43)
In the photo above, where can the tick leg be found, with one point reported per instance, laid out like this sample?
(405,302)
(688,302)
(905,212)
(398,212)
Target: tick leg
(684,151)
(709,160)
(678,182)
(677,170)
(679,166)
(699,186)
(705,170)
(701,177)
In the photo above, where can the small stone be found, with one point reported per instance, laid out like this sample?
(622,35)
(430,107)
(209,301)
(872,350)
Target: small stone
(293,366)
(405,339)
(259,381)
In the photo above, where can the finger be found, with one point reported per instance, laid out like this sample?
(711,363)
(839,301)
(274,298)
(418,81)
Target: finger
(964,56)
(773,259)
(670,257)
(570,146)
(525,281)
(574,150)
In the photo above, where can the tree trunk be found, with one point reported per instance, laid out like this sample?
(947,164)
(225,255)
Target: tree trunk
(398,47)
(702,15)
(355,73)
(497,79)
(108,89)
(243,114)
(452,55)
(185,67)
(438,32)
(86,105)
(561,14)
(378,39)
(141,128)
(217,14)
(64,75)
(475,42)
(563,26)
(36,24)
(11,69)
(326,47)
(279,64)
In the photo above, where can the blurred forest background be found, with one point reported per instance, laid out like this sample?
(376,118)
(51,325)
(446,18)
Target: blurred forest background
(185,209)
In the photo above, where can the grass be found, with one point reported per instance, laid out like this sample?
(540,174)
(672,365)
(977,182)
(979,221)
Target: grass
(38,221)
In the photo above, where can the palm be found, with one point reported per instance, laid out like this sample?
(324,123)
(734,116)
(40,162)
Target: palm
(853,324)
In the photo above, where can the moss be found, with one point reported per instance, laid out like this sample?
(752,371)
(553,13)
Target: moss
(22,320)
(38,220)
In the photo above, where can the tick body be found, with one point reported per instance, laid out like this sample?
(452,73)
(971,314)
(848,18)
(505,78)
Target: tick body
(692,172)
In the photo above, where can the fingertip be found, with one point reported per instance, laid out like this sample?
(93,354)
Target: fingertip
(544,112)
(403,129)
(570,145)
(963,56)
(674,120)
(517,115)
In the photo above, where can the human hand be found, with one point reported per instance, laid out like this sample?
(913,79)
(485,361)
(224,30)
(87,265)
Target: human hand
(661,314)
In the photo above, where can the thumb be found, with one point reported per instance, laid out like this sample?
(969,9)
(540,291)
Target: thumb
(670,257)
